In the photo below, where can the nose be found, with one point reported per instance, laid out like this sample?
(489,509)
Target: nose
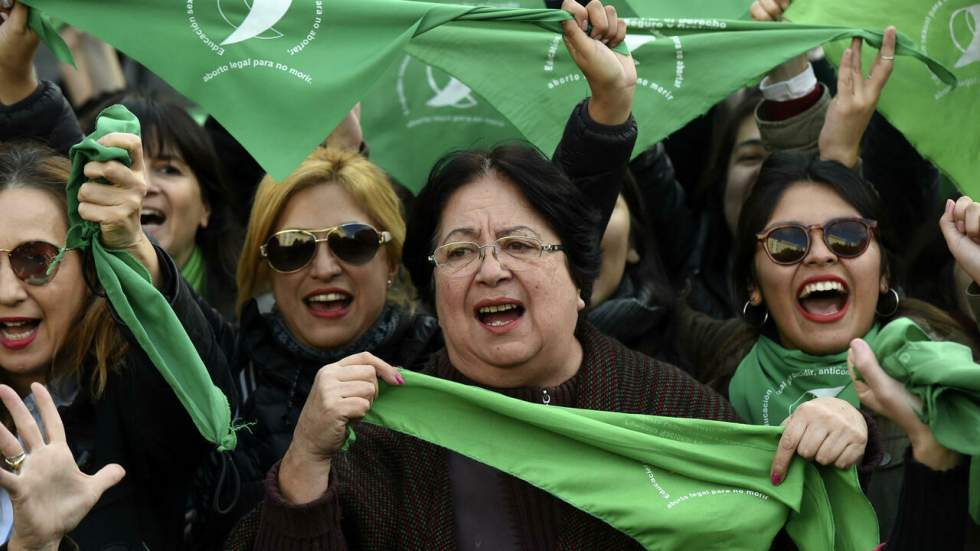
(819,253)
(12,289)
(324,265)
(152,188)
(491,270)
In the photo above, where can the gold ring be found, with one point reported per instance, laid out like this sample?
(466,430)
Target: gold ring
(15,462)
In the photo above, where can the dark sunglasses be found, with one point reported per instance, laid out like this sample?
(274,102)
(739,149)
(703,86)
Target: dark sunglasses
(845,237)
(354,243)
(30,261)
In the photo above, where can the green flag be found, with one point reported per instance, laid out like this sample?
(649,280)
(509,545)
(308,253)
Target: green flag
(941,121)
(279,75)
(129,288)
(667,483)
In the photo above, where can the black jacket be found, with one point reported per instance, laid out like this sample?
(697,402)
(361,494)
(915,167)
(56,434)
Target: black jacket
(274,382)
(45,115)
(140,424)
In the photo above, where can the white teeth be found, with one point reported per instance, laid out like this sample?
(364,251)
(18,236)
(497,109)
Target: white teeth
(149,211)
(494,309)
(498,323)
(15,323)
(329,297)
(821,286)
(16,336)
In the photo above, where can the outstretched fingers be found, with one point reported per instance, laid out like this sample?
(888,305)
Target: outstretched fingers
(23,420)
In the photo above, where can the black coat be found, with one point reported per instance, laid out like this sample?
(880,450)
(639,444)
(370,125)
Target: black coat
(139,423)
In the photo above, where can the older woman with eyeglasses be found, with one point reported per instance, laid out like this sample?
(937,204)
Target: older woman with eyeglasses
(505,246)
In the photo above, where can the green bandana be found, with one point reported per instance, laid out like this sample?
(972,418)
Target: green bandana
(142,308)
(668,483)
(772,381)
(194,273)
(230,57)
(42,26)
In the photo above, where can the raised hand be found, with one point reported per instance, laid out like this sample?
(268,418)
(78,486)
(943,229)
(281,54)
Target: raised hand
(17,46)
(116,207)
(50,495)
(342,393)
(856,100)
(768,10)
(827,430)
(960,225)
(890,398)
(611,76)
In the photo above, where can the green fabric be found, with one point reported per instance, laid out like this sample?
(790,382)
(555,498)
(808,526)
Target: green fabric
(282,90)
(129,288)
(668,483)
(194,271)
(46,31)
(939,120)
(772,380)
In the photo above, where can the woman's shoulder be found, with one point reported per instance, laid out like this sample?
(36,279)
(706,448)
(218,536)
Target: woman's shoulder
(632,382)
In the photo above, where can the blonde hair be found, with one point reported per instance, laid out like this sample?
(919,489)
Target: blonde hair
(364,181)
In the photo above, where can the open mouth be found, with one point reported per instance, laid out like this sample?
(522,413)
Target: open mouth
(499,315)
(825,300)
(152,217)
(17,334)
(331,304)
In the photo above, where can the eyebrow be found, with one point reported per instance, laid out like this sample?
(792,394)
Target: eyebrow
(473,233)
(749,143)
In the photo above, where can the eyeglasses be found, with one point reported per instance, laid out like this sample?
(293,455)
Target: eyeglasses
(454,257)
(354,243)
(845,237)
(30,261)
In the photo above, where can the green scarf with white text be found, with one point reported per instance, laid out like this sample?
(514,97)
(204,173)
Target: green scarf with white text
(772,381)
(668,483)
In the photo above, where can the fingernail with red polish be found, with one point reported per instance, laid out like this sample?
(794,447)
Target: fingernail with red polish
(776,479)
(399,378)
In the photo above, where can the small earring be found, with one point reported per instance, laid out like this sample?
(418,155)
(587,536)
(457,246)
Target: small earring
(894,310)
(389,283)
(745,313)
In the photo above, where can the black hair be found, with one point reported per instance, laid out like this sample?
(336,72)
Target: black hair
(168,131)
(543,185)
(650,269)
(781,171)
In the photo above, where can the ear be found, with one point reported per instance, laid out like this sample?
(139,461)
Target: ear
(580,304)
(883,286)
(755,295)
(632,257)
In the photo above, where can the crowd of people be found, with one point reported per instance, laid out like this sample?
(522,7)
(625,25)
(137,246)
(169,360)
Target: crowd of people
(594,279)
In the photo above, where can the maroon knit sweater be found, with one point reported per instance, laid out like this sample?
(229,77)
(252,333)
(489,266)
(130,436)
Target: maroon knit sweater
(393,491)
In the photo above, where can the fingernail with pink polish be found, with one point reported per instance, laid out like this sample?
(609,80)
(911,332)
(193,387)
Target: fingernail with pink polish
(399,378)
(776,479)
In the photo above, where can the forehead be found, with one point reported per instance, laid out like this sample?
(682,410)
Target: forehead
(487,206)
(30,215)
(810,203)
(321,206)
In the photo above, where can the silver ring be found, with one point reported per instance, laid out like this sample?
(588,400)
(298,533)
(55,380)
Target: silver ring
(15,462)
(888,57)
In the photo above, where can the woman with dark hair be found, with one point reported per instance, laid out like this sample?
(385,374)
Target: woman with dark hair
(816,278)
(189,206)
(631,299)
(117,409)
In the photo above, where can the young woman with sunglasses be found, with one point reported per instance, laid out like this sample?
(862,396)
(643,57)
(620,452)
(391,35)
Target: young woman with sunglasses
(119,415)
(816,280)
(319,279)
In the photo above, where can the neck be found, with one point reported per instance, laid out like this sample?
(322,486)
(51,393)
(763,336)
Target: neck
(538,372)
(21,382)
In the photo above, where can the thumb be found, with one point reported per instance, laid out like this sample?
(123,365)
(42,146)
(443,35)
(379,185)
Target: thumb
(106,478)
(865,363)
(947,224)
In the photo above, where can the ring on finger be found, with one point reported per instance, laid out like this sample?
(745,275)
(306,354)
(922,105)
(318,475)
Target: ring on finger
(14,462)
(888,57)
